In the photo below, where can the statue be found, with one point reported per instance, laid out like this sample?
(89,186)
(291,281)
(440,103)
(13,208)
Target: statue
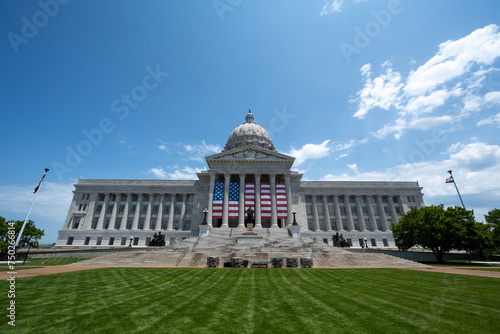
(339,241)
(158,240)
(249,216)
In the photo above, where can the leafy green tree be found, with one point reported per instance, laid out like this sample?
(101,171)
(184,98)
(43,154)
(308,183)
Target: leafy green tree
(493,220)
(30,233)
(438,229)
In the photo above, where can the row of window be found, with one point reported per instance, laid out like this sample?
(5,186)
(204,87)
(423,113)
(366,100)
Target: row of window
(130,221)
(101,197)
(143,208)
(333,224)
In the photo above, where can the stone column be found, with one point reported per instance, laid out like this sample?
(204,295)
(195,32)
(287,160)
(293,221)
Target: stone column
(381,213)
(210,197)
(371,215)
(338,215)
(147,221)
(274,213)
(123,224)
(361,216)
(183,211)
(225,200)
(100,222)
(314,210)
(159,216)
(137,213)
(289,208)
(112,220)
(241,208)
(258,218)
(392,210)
(326,213)
(348,213)
(173,199)
(89,216)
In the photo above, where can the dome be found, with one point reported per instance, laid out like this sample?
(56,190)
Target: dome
(249,133)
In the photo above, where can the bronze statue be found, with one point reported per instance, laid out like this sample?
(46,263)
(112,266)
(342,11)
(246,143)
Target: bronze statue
(249,216)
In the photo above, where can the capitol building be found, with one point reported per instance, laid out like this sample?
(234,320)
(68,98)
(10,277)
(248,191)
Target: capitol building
(248,173)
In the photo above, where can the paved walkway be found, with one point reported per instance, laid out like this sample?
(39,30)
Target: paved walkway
(47,270)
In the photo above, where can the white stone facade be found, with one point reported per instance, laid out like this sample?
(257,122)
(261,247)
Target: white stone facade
(119,213)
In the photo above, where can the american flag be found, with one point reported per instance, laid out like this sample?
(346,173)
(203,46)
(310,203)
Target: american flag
(265,200)
(249,196)
(234,196)
(281,201)
(217,203)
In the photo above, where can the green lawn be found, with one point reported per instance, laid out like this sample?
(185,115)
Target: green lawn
(179,300)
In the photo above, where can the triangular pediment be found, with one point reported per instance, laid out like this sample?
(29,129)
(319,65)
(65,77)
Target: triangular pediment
(250,153)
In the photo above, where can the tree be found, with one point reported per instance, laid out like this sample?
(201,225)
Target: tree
(438,229)
(493,221)
(30,233)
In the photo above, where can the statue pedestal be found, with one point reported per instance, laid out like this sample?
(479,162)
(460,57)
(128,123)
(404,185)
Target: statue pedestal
(249,230)
(294,231)
(203,231)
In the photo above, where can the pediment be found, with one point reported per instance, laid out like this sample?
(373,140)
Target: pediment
(250,153)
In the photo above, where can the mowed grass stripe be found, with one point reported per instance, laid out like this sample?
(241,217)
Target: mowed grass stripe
(175,300)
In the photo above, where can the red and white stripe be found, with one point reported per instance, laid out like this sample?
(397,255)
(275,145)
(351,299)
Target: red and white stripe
(281,204)
(249,196)
(265,200)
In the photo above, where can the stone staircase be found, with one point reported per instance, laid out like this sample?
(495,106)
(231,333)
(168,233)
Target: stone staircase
(232,242)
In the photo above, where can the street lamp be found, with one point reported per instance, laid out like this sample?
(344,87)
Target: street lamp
(294,220)
(131,238)
(29,247)
(205,218)
(366,242)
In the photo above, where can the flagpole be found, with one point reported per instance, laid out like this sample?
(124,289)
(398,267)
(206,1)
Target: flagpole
(457,189)
(31,207)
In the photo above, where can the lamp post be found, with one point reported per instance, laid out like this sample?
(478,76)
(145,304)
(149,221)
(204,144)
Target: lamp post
(294,220)
(131,238)
(452,180)
(29,247)
(205,218)
(366,242)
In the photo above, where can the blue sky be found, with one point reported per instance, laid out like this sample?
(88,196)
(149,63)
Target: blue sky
(355,90)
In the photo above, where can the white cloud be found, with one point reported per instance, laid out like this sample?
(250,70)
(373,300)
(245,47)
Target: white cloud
(186,173)
(353,167)
(454,76)
(53,200)
(162,147)
(455,58)
(158,172)
(476,167)
(310,151)
(331,7)
(490,120)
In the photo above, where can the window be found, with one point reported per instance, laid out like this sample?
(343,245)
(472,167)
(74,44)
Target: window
(309,223)
(146,198)
(178,198)
(329,199)
(87,241)
(395,199)
(152,224)
(118,223)
(136,241)
(106,223)
(135,197)
(308,210)
(148,240)
(189,209)
(190,198)
(98,208)
(187,225)
(374,243)
(144,208)
(94,223)
(384,199)
(76,222)
(84,207)
(124,241)
(121,208)
(101,197)
(375,209)
(333,224)
(155,208)
(353,210)
(367,225)
(177,210)
(320,210)
(379,224)
(70,240)
(176,225)
(123,197)
(130,221)
(111,241)
(113,198)
(88,196)
(110,208)
(80,207)
(164,224)
(132,208)
(398,210)
(99,241)
(386,244)
(141,223)
(386,210)
(308,199)
(351,199)
(344,224)
(166,208)
(83,196)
